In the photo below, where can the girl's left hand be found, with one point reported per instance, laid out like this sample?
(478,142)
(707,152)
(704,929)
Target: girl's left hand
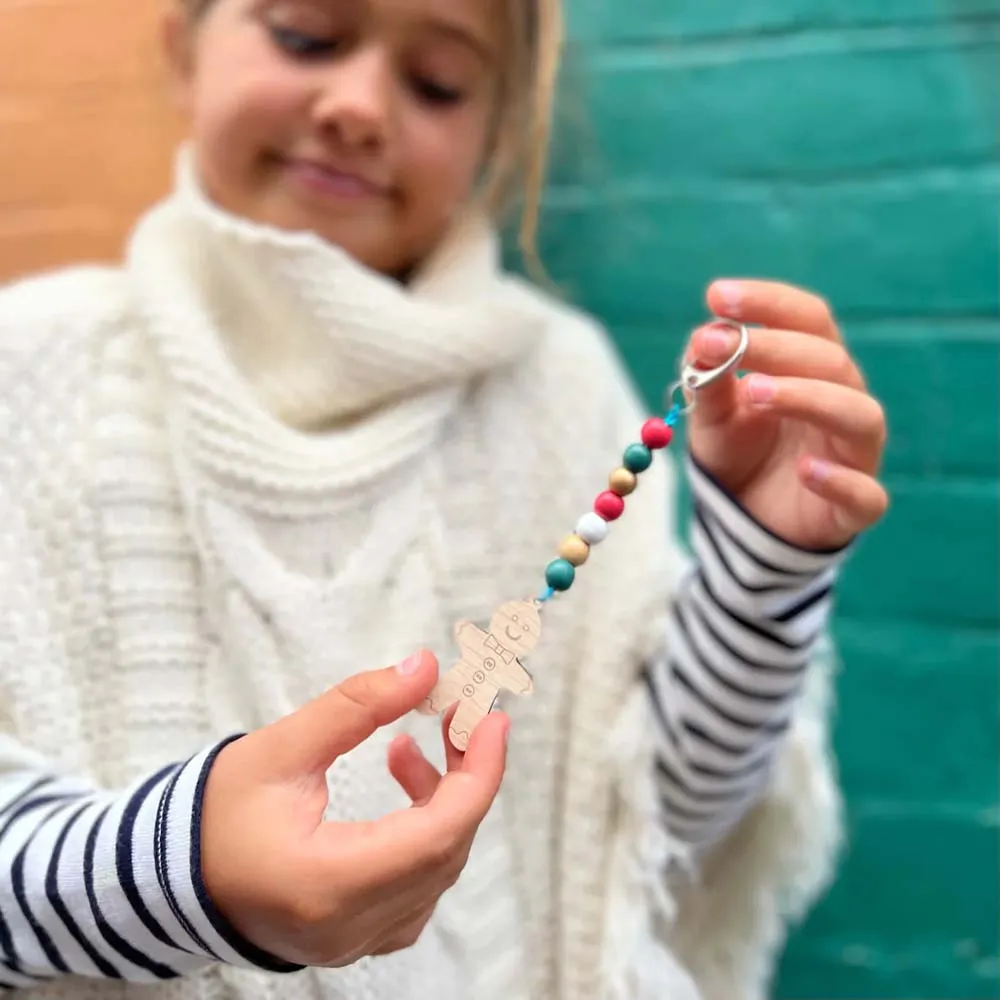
(799,440)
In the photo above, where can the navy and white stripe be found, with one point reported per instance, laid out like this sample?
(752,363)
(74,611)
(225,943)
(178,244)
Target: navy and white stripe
(742,629)
(108,885)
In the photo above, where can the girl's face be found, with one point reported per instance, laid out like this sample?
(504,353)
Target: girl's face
(364,121)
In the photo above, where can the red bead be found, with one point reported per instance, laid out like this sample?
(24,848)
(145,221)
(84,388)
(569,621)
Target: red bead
(656,434)
(609,505)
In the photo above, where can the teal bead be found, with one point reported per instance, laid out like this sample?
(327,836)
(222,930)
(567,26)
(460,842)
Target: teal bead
(559,574)
(637,458)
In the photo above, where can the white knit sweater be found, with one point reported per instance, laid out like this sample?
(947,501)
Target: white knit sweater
(242,467)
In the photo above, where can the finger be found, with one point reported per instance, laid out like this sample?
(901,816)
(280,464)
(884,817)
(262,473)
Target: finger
(346,715)
(858,500)
(847,413)
(777,352)
(406,933)
(388,930)
(773,304)
(464,796)
(710,346)
(419,847)
(416,775)
(452,755)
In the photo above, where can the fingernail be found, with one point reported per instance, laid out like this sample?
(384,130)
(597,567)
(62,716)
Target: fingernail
(762,388)
(411,664)
(731,295)
(717,340)
(819,471)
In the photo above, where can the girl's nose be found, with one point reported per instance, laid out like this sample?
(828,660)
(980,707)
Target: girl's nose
(355,99)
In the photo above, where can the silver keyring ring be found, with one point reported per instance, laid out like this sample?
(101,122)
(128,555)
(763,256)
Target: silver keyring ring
(692,379)
(697,378)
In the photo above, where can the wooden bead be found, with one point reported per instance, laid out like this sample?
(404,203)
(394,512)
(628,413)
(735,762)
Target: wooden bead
(574,550)
(592,528)
(622,481)
(637,458)
(609,505)
(559,574)
(656,433)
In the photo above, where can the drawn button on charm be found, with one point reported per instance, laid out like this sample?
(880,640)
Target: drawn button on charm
(513,632)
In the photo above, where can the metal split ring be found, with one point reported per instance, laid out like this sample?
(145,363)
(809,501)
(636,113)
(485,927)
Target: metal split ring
(692,379)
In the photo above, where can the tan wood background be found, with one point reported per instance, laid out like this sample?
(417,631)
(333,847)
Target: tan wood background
(86,128)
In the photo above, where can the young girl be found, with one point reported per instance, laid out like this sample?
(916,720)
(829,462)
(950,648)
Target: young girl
(307,427)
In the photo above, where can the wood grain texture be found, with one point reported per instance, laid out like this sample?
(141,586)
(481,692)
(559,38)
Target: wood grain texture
(86,128)
(489,662)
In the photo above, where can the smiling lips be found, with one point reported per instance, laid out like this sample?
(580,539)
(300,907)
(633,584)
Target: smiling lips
(329,182)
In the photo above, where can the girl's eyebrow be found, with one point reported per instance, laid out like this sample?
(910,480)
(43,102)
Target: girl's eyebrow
(460,33)
(435,25)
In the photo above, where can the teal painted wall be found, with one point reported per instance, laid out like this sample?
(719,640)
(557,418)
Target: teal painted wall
(851,146)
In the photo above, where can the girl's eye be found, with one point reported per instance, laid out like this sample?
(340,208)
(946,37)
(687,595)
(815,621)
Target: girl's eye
(303,46)
(435,93)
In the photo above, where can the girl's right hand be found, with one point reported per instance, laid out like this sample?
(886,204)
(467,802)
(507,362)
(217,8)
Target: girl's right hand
(327,893)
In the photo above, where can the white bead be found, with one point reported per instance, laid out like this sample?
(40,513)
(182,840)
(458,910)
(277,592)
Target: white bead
(592,528)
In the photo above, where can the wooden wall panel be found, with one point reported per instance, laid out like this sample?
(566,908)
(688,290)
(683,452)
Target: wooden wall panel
(86,128)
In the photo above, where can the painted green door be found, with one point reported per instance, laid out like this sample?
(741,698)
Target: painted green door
(850,146)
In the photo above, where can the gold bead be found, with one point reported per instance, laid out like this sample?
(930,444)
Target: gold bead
(574,550)
(622,481)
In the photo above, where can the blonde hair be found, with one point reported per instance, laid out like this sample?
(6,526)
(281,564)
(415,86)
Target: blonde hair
(517,159)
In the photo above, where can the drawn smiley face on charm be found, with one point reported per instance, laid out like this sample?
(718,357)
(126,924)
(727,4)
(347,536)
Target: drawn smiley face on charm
(520,624)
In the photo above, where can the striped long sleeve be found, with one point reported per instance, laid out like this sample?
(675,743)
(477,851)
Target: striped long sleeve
(741,632)
(107,884)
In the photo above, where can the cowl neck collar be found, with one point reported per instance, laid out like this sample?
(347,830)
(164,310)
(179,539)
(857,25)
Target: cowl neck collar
(286,352)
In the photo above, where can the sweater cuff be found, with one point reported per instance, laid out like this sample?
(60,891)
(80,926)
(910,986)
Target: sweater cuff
(750,568)
(108,885)
(764,545)
(183,902)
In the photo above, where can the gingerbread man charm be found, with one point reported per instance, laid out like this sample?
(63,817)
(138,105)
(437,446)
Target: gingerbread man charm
(488,663)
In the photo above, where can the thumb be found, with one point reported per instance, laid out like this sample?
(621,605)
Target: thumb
(312,738)
(710,346)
